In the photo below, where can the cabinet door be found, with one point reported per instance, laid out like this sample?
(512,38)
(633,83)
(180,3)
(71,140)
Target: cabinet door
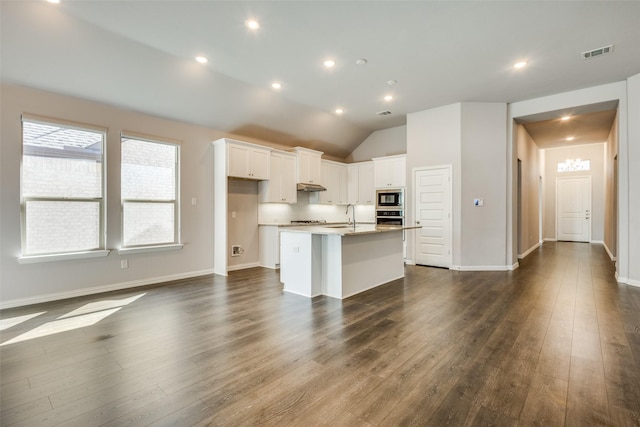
(238,161)
(352,184)
(366,191)
(343,198)
(330,182)
(383,173)
(288,190)
(269,191)
(314,169)
(399,172)
(260,160)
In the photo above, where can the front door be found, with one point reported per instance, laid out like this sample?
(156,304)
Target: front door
(573,209)
(433,215)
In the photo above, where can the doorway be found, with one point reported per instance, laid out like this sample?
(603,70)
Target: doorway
(573,209)
(433,202)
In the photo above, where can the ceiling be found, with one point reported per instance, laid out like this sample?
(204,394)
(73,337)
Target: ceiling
(587,124)
(139,55)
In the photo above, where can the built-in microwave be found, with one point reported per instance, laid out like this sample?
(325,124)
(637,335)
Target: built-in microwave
(390,199)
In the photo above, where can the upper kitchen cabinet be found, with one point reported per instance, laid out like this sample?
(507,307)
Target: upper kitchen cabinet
(281,186)
(334,179)
(247,161)
(308,166)
(390,171)
(360,188)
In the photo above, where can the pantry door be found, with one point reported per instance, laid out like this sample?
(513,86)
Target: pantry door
(573,209)
(433,203)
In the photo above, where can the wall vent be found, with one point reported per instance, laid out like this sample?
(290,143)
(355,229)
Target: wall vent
(384,113)
(597,52)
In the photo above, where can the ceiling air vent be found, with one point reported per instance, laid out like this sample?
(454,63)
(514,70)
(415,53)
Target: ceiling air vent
(597,52)
(384,113)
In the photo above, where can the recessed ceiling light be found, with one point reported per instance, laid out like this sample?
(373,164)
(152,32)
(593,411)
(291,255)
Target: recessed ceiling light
(252,24)
(520,64)
(276,85)
(338,111)
(361,61)
(391,82)
(202,59)
(388,98)
(54,1)
(329,63)
(569,138)
(565,118)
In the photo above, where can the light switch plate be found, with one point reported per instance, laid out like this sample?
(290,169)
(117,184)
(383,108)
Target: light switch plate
(478,202)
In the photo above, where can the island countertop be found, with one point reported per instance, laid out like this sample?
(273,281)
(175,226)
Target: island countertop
(348,230)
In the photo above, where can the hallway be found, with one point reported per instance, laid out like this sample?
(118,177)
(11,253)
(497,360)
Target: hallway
(555,342)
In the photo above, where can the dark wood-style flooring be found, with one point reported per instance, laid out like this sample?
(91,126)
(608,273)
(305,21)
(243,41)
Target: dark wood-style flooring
(555,342)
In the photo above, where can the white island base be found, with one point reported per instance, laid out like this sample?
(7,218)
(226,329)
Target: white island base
(339,265)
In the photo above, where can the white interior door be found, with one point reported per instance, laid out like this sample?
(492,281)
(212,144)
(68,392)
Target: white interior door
(573,209)
(433,214)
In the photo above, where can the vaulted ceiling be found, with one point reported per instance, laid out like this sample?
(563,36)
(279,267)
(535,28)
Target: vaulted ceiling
(139,55)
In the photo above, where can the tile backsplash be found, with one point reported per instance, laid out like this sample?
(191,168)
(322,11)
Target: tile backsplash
(279,213)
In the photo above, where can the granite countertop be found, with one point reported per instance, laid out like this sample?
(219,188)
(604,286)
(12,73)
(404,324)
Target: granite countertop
(328,224)
(348,230)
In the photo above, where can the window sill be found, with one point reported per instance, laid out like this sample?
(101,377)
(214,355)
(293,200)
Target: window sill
(62,257)
(142,249)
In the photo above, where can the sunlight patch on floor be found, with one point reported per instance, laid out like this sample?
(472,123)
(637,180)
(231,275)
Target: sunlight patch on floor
(13,321)
(87,315)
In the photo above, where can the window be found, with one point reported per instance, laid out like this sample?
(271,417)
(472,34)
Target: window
(149,192)
(62,188)
(571,165)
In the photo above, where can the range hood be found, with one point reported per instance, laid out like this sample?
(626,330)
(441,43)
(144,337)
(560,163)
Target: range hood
(310,187)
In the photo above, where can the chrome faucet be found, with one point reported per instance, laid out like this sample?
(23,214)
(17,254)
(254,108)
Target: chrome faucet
(353,209)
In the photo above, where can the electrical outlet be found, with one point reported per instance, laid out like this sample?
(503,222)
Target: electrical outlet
(124,263)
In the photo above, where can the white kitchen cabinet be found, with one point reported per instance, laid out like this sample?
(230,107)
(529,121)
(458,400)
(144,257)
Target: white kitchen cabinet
(390,172)
(308,166)
(247,161)
(360,188)
(281,186)
(352,184)
(334,179)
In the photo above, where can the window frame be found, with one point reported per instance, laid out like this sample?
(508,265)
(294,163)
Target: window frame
(101,250)
(152,247)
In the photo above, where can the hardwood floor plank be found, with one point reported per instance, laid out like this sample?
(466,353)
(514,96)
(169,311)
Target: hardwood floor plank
(554,342)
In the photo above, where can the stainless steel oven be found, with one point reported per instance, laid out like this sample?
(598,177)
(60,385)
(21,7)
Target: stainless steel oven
(390,217)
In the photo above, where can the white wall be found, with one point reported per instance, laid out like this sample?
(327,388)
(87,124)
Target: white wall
(386,142)
(632,187)
(592,152)
(433,139)
(472,138)
(484,175)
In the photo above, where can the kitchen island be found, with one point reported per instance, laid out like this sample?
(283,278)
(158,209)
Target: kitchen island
(340,261)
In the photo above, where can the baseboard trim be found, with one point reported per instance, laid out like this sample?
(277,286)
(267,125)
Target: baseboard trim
(549,239)
(528,251)
(606,248)
(409,262)
(484,267)
(101,289)
(627,281)
(243,266)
